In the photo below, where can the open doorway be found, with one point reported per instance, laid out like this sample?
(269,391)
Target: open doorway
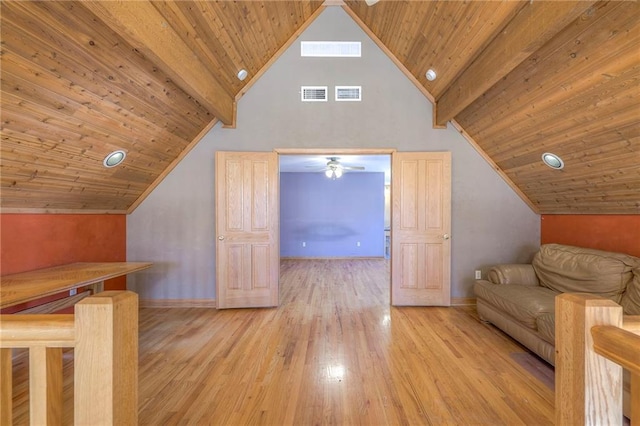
(335,206)
(248,222)
(335,219)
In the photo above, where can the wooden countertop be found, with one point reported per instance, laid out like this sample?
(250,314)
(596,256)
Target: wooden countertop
(32,285)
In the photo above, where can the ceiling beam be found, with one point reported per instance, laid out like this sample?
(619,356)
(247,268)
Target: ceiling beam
(147,30)
(531,28)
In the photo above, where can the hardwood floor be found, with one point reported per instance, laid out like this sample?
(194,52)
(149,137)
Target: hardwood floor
(334,352)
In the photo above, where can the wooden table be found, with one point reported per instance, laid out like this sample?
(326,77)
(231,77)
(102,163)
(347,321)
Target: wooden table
(33,285)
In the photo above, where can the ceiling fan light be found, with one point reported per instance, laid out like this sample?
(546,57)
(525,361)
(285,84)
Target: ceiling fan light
(338,172)
(328,173)
(371,2)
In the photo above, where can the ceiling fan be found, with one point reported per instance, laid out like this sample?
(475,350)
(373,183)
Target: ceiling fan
(334,169)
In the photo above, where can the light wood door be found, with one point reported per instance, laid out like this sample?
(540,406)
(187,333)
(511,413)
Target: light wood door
(247,229)
(420,229)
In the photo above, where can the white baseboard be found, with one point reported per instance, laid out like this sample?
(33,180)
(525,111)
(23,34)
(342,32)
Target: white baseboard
(177,303)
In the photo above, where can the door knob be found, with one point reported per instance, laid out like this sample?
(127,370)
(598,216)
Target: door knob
(221,237)
(445,236)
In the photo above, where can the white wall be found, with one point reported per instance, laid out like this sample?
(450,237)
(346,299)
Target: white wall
(174,226)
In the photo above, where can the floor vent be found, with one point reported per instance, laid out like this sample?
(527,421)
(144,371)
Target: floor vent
(348,93)
(331,49)
(314,93)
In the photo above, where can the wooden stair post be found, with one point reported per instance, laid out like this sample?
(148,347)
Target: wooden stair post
(588,386)
(44,336)
(45,385)
(6,387)
(106,359)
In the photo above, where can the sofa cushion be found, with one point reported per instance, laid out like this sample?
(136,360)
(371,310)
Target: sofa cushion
(631,298)
(568,269)
(546,324)
(523,303)
(513,273)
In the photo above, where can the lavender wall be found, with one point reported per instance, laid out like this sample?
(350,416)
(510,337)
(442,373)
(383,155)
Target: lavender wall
(331,216)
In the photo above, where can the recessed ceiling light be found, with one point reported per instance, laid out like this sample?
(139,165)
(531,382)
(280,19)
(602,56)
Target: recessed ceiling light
(242,74)
(431,75)
(115,158)
(552,161)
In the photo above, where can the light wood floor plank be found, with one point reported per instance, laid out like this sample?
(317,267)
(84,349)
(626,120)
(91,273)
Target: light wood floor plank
(334,352)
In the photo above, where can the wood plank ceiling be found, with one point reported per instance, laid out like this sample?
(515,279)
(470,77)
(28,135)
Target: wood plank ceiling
(517,78)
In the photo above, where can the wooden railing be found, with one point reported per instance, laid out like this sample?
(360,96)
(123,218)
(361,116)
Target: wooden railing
(104,334)
(594,342)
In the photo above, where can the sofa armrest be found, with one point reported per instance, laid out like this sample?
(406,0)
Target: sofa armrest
(516,273)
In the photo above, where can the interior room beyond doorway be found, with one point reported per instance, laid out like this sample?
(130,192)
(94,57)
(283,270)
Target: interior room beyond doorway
(334,205)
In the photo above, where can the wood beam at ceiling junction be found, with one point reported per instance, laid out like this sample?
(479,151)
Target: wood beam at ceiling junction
(517,41)
(149,32)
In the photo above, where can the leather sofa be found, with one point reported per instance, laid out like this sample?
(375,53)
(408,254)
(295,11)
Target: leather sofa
(520,298)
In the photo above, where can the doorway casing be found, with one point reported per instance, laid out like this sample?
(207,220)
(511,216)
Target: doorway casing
(416,169)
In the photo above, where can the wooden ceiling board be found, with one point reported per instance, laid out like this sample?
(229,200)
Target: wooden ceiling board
(579,149)
(80,79)
(188,20)
(531,28)
(85,51)
(73,116)
(46,110)
(445,36)
(147,31)
(558,71)
(560,135)
(94,142)
(74,89)
(618,184)
(237,41)
(221,46)
(62,99)
(479,30)
(578,97)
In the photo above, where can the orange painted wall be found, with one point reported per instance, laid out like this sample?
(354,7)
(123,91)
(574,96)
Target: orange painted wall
(619,233)
(35,241)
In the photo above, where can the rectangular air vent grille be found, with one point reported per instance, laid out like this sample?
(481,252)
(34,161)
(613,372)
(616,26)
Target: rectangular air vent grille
(331,49)
(348,93)
(314,93)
